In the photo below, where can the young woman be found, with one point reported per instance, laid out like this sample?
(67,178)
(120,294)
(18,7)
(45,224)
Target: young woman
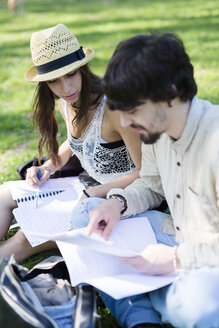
(109,153)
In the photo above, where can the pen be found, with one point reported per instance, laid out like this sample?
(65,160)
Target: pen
(37,195)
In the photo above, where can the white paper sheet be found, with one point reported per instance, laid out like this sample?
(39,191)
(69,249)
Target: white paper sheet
(129,284)
(92,260)
(52,215)
(121,242)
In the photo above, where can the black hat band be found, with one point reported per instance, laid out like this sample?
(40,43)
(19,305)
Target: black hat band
(61,62)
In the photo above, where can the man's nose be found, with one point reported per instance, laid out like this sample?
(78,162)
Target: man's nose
(125,120)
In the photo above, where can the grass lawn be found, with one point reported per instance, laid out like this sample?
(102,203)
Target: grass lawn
(99,24)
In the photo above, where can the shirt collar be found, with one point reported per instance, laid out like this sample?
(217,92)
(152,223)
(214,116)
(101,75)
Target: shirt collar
(192,123)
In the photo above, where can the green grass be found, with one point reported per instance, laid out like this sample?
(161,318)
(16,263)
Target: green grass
(99,24)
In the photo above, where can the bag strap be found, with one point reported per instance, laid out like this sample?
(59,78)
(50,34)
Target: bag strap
(85,307)
(14,302)
(58,270)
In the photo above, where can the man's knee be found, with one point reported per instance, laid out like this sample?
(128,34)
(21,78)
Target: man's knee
(191,301)
(133,310)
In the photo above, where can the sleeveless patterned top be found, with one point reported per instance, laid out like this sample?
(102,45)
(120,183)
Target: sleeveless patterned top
(102,163)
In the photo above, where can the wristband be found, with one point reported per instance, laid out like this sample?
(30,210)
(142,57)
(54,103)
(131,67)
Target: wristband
(86,193)
(177,271)
(48,169)
(122,201)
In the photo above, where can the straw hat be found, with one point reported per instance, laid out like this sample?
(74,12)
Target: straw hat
(55,52)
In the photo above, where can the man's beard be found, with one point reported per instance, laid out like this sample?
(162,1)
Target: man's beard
(151,138)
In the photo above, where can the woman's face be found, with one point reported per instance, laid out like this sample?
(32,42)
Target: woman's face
(67,86)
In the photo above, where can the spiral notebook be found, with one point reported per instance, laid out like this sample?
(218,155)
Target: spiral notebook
(42,195)
(57,199)
(23,193)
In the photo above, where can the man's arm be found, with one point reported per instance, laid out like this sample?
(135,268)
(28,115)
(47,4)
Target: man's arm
(200,246)
(144,193)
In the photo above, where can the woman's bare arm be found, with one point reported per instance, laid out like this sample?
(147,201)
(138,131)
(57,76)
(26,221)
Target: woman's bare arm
(133,144)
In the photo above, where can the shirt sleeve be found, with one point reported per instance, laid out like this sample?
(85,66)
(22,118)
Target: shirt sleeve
(193,256)
(205,251)
(145,192)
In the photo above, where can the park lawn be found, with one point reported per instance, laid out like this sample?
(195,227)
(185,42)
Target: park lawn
(99,24)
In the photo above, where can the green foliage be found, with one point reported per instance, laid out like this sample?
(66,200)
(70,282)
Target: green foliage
(35,259)
(106,318)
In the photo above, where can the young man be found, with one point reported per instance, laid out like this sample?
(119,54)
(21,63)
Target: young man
(150,80)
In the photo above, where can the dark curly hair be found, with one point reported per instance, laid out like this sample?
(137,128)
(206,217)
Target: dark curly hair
(154,67)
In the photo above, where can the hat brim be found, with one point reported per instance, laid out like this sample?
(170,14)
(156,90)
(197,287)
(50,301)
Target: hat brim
(32,75)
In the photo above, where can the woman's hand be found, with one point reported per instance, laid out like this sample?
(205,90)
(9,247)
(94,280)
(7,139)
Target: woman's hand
(32,176)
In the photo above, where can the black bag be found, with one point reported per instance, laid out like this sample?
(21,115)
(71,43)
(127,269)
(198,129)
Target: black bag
(71,168)
(19,297)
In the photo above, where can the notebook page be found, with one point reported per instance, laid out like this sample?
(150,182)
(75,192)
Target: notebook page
(20,188)
(52,215)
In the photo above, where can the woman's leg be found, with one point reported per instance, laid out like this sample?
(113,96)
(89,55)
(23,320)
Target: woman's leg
(17,244)
(7,204)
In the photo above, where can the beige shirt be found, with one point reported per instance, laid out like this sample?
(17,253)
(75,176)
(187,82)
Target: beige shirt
(186,173)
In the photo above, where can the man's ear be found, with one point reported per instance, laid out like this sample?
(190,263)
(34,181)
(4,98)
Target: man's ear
(174,90)
(170,103)
(174,95)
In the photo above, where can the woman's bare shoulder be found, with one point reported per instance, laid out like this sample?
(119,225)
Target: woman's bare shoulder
(113,116)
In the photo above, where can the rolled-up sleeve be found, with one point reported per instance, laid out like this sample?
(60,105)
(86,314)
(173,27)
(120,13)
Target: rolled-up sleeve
(198,255)
(145,192)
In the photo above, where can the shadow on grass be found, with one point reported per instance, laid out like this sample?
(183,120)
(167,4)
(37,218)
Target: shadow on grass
(180,25)
(14,129)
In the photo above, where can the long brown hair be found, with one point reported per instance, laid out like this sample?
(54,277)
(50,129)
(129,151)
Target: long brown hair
(43,109)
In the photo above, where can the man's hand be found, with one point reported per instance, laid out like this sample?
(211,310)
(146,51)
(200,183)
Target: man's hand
(155,260)
(104,218)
